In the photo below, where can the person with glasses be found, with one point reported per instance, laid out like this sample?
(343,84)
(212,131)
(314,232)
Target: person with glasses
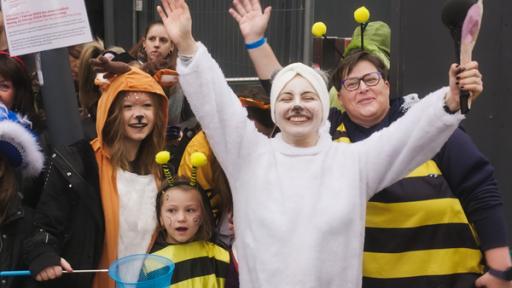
(370,79)
(299,198)
(434,227)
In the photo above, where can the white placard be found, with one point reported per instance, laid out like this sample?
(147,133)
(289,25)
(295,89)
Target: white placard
(38,25)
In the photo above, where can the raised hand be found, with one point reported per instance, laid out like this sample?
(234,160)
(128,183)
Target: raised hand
(251,19)
(465,77)
(177,21)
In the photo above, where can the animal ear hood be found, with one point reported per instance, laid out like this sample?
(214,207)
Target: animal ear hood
(133,80)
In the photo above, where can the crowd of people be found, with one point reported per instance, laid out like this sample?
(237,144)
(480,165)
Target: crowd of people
(389,192)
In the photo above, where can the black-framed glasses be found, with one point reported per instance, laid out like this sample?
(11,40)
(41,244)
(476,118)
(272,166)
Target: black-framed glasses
(369,79)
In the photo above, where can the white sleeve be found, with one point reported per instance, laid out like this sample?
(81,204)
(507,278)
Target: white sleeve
(390,154)
(217,108)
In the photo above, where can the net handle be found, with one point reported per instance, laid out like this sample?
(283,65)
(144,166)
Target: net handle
(21,273)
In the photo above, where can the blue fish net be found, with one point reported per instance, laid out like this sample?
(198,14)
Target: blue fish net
(142,271)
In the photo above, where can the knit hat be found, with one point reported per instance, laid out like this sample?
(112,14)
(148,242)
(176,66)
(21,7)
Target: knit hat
(288,73)
(377,41)
(17,143)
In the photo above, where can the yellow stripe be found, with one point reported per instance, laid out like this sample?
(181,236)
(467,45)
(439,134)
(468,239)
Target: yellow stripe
(425,169)
(414,213)
(182,252)
(209,281)
(343,139)
(410,264)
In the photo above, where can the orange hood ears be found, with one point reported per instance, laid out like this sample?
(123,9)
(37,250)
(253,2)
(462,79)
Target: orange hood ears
(134,80)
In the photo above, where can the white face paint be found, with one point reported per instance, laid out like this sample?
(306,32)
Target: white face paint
(298,113)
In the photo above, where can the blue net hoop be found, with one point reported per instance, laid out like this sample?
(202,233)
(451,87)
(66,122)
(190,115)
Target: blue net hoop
(142,271)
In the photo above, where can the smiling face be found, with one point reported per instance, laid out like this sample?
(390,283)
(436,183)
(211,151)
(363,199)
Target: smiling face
(157,43)
(138,110)
(181,214)
(367,105)
(298,113)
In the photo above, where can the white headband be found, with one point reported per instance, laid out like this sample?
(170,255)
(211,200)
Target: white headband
(287,73)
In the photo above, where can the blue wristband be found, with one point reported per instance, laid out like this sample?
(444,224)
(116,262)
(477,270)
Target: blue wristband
(255,44)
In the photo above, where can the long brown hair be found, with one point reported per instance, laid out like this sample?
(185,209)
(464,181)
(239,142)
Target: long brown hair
(7,186)
(114,134)
(205,231)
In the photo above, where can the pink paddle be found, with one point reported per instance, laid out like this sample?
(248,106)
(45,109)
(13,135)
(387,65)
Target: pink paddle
(470,29)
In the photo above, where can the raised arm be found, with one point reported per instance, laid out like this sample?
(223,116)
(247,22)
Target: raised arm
(176,17)
(217,108)
(420,133)
(253,22)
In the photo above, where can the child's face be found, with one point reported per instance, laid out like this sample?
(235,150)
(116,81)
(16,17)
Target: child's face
(139,115)
(181,214)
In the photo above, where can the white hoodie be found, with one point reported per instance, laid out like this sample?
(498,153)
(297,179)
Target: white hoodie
(300,212)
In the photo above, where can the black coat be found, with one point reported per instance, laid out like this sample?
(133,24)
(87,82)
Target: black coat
(16,227)
(69,217)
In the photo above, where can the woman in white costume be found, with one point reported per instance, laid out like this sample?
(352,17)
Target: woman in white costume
(300,199)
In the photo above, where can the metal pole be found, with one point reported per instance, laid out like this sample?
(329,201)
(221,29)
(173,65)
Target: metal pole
(59,98)
(134,21)
(309,14)
(108,15)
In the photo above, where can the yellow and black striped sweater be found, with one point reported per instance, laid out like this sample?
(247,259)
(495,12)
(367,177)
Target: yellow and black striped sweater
(197,264)
(417,234)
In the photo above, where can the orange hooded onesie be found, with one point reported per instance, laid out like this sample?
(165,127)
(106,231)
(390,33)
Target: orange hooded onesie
(134,80)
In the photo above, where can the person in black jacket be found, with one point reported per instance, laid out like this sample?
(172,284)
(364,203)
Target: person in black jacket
(19,150)
(71,183)
(97,203)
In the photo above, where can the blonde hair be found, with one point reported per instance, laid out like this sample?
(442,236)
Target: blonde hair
(88,92)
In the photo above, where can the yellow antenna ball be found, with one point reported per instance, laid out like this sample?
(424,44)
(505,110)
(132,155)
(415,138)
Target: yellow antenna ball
(319,29)
(198,159)
(361,15)
(162,157)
